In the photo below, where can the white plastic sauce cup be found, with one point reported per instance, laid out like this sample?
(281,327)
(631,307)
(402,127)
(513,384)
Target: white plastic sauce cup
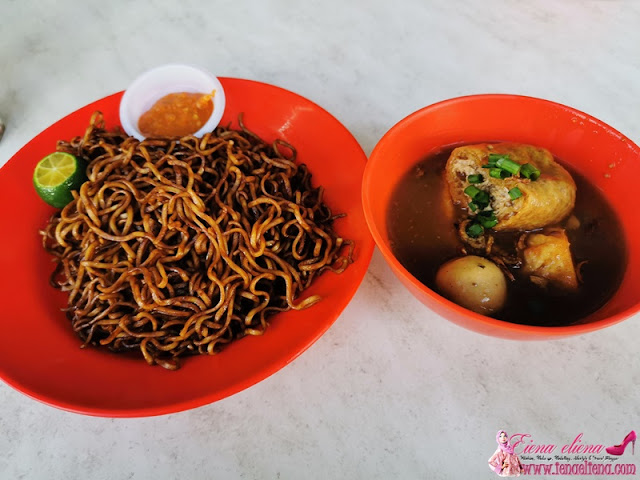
(154,84)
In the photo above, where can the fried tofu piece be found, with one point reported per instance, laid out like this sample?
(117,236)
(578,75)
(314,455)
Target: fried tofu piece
(545,201)
(547,259)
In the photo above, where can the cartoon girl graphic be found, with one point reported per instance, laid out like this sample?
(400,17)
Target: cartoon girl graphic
(504,462)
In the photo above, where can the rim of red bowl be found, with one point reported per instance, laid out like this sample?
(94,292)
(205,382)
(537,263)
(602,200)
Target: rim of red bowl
(540,332)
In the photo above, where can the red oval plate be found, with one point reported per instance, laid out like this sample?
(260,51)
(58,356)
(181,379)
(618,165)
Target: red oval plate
(41,356)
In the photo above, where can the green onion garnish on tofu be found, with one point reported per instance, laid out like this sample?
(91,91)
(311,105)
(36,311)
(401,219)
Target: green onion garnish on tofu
(474,230)
(499,173)
(494,157)
(505,163)
(530,172)
(472,191)
(476,178)
(480,198)
(487,219)
(501,166)
(515,193)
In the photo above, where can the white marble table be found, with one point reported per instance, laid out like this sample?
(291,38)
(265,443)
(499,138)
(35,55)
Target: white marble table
(392,390)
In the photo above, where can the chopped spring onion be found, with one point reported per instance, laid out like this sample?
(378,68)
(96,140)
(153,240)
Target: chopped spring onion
(515,193)
(477,178)
(502,162)
(472,191)
(474,230)
(505,163)
(487,219)
(499,173)
(494,157)
(529,171)
(479,197)
(501,166)
(472,206)
(482,199)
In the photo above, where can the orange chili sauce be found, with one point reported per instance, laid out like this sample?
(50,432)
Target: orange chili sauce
(176,115)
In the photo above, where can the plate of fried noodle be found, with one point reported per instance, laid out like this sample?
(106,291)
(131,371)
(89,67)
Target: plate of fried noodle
(185,269)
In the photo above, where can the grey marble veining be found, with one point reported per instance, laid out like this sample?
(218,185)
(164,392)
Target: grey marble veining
(391,390)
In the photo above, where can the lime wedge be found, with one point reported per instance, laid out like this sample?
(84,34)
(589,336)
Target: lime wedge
(56,176)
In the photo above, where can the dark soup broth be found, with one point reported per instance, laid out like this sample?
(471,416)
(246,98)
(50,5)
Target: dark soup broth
(423,237)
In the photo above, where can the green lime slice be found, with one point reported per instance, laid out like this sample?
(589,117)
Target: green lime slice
(56,176)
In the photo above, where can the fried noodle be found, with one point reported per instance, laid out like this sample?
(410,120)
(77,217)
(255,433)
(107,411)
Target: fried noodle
(178,247)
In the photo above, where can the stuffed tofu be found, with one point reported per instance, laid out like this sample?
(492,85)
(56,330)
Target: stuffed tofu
(547,259)
(509,186)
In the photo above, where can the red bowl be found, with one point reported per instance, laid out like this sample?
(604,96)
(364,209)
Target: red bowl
(579,140)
